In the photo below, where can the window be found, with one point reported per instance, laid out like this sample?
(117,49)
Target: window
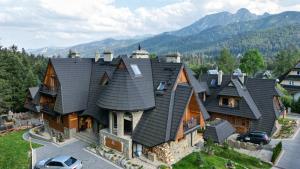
(291,82)
(55,163)
(162,86)
(213,83)
(136,70)
(225,101)
(70,161)
(298,72)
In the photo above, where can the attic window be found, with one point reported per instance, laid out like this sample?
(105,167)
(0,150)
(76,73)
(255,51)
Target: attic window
(162,86)
(104,80)
(136,70)
(213,83)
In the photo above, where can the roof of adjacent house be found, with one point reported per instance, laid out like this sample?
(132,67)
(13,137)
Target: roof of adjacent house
(132,86)
(256,99)
(33,94)
(218,130)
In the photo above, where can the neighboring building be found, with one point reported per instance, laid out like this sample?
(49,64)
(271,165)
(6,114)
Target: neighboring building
(135,105)
(32,100)
(247,103)
(291,81)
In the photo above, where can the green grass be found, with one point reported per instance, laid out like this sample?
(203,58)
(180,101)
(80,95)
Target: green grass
(220,159)
(14,151)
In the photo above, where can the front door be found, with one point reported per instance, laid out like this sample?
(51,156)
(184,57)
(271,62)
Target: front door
(85,122)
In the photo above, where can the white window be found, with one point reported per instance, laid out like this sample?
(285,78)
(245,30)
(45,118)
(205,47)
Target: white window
(291,82)
(136,70)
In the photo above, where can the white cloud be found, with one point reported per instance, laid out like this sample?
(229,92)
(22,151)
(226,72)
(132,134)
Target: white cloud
(66,22)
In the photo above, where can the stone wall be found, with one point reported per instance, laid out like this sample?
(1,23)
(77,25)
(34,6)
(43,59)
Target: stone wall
(68,133)
(126,142)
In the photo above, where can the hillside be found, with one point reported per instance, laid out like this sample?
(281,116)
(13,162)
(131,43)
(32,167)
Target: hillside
(238,32)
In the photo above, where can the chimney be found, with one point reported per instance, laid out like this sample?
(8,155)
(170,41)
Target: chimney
(140,53)
(108,56)
(97,56)
(220,77)
(242,77)
(173,57)
(74,54)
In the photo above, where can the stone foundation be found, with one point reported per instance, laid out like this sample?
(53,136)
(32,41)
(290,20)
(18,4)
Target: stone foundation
(67,134)
(126,143)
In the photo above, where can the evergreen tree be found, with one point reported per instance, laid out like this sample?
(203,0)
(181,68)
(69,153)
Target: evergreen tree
(226,61)
(252,62)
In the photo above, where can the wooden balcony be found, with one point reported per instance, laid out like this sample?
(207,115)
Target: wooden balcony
(191,124)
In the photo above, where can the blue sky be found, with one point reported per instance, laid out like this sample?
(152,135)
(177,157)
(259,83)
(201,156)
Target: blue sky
(41,23)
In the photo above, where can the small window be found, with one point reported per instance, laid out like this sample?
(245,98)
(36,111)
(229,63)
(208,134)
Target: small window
(136,70)
(225,101)
(291,82)
(162,86)
(298,72)
(213,83)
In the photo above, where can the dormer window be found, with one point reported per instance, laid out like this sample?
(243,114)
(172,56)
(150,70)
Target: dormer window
(213,83)
(162,86)
(104,80)
(136,70)
(225,102)
(291,82)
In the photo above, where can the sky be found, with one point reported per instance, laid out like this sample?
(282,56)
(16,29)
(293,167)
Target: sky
(34,24)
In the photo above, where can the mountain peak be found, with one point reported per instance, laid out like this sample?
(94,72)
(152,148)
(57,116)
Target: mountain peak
(243,11)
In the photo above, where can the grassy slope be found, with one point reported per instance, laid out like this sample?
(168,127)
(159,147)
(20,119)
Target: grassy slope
(14,151)
(219,160)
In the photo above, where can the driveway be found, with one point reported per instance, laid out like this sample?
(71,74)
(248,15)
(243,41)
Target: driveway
(291,156)
(75,149)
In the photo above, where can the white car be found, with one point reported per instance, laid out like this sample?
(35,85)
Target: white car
(59,162)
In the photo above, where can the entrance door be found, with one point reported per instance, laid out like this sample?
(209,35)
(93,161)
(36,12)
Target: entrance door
(85,122)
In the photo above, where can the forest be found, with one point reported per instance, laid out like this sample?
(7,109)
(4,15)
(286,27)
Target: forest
(18,71)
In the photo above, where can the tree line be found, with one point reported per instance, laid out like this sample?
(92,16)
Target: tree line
(18,71)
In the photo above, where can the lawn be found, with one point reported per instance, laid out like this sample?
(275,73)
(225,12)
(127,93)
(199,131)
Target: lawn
(288,128)
(219,160)
(14,151)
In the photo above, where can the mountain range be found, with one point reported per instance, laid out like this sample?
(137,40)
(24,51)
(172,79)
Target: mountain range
(239,32)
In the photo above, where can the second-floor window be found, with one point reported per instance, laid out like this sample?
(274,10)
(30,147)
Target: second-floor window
(229,102)
(225,102)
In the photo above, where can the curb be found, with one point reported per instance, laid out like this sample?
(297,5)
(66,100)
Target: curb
(279,157)
(96,155)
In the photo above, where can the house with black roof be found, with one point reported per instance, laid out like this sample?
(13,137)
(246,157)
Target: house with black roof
(247,103)
(133,104)
(291,81)
(32,99)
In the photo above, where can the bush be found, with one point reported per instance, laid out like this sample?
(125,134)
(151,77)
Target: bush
(276,151)
(199,160)
(163,167)
(296,106)
(209,146)
(226,145)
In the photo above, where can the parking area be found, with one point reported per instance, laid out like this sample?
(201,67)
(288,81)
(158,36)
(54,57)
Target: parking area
(75,149)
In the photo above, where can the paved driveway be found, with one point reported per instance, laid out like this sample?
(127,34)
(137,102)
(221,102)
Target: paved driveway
(291,156)
(75,149)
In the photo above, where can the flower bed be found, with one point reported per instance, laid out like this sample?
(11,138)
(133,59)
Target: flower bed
(288,128)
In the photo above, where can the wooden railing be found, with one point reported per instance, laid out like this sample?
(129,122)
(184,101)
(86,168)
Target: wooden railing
(191,123)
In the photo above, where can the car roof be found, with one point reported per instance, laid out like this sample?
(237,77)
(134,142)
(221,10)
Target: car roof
(61,158)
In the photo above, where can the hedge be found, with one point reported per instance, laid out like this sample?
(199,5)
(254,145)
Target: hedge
(276,151)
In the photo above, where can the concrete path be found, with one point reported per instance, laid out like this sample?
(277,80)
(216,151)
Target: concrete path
(291,155)
(75,149)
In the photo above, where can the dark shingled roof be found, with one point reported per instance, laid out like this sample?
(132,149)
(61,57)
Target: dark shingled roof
(219,130)
(33,94)
(125,92)
(257,102)
(80,91)
(74,77)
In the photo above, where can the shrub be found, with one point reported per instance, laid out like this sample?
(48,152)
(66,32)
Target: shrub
(226,145)
(163,167)
(199,160)
(276,151)
(209,146)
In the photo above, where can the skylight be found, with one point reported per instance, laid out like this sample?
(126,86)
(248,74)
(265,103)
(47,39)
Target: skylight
(136,70)
(162,86)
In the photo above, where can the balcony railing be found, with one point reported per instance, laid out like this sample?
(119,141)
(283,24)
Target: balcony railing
(48,91)
(192,123)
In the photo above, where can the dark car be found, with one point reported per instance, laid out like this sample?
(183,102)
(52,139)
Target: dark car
(256,137)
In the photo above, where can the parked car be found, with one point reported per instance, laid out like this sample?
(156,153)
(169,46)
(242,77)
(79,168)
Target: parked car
(59,162)
(256,137)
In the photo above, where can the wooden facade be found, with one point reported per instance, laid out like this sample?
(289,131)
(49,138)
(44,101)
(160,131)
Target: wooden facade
(241,124)
(61,122)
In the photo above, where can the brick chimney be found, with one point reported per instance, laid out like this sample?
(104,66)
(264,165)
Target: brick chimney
(108,56)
